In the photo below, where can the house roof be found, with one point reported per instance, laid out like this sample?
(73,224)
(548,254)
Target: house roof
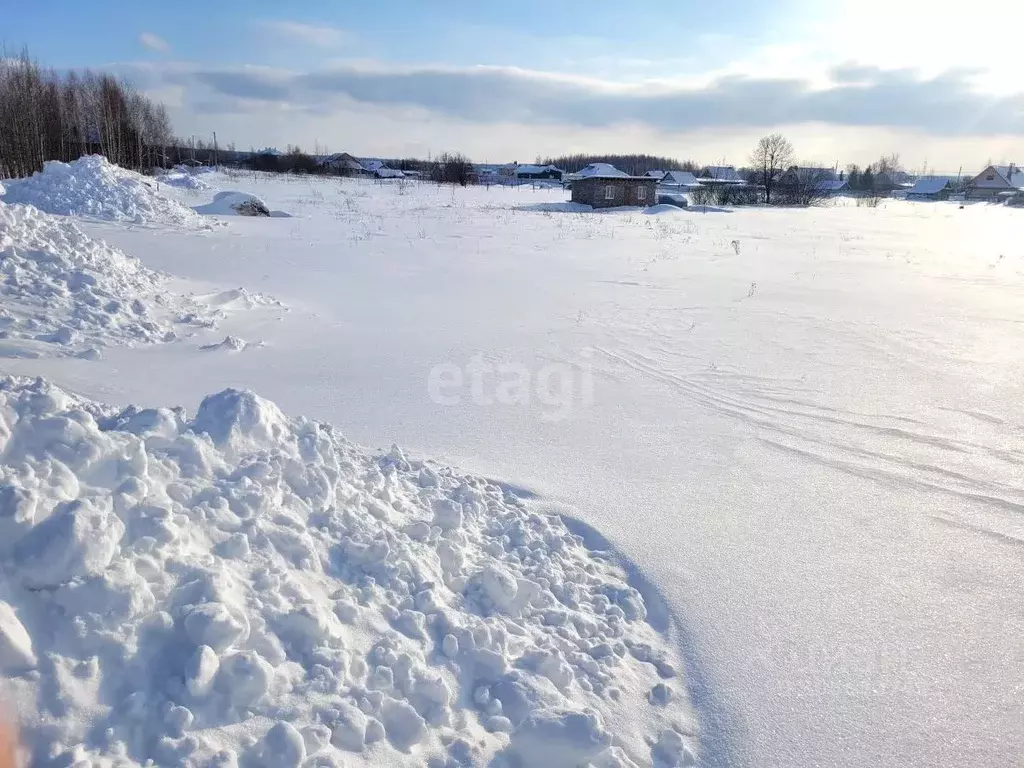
(806,173)
(342,158)
(537,169)
(601,171)
(832,185)
(895,178)
(721,173)
(928,185)
(681,178)
(656,174)
(1014,171)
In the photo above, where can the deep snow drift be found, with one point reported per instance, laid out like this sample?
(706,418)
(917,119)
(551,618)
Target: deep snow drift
(240,588)
(92,186)
(65,293)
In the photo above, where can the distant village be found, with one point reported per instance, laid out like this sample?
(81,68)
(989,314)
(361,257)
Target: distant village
(603,184)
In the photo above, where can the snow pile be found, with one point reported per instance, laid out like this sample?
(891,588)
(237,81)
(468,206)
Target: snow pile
(65,293)
(240,588)
(92,186)
(183,179)
(234,204)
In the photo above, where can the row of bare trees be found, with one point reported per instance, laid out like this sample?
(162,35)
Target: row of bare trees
(46,115)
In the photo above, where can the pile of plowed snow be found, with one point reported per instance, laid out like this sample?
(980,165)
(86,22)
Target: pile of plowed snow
(184,178)
(92,186)
(240,588)
(65,293)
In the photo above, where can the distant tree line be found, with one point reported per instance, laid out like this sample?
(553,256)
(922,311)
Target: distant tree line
(637,165)
(46,115)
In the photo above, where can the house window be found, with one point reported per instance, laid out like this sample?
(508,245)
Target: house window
(990,177)
(609,192)
(641,193)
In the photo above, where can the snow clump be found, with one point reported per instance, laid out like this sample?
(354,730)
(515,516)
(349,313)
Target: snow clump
(64,292)
(242,588)
(93,186)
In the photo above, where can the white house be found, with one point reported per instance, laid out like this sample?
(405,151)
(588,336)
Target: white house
(997,179)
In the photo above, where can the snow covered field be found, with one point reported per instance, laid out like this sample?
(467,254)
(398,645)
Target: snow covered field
(800,428)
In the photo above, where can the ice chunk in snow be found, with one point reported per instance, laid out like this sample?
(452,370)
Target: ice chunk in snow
(243,414)
(15,644)
(560,738)
(79,539)
(230,344)
(671,749)
(349,730)
(215,625)
(402,723)
(282,747)
(201,671)
(245,677)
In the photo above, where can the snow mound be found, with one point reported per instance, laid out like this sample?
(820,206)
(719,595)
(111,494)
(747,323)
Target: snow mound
(242,588)
(234,204)
(64,292)
(664,209)
(183,180)
(566,207)
(239,298)
(92,186)
(229,344)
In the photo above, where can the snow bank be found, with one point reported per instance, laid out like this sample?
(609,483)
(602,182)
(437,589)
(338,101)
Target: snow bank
(234,204)
(183,179)
(92,186)
(663,209)
(65,293)
(240,588)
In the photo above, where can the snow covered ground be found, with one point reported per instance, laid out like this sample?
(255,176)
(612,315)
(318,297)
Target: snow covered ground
(801,428)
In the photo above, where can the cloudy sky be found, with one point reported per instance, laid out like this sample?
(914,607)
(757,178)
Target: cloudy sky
(845,80)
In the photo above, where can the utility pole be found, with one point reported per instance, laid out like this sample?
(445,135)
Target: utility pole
(214,149)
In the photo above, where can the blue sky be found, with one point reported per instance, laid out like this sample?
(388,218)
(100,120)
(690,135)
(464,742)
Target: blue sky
(845,79)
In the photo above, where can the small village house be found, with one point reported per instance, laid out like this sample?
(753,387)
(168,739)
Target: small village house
(601,185)
(342,163)
(806,175)
(996,180)
(819,181)
(681,180)
(930,188)
(720,174)
(380,169)
(534,172)
(893,181)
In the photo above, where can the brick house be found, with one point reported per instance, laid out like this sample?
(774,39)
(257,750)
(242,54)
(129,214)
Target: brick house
(608,187)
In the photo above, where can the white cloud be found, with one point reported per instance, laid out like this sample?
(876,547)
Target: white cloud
(319,35)
(154,42)
(849,113)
